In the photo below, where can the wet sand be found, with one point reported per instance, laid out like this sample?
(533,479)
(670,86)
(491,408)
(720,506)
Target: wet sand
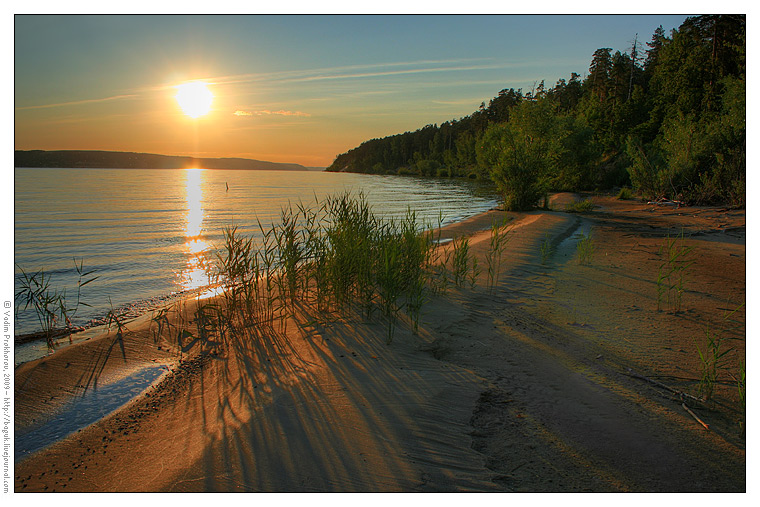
(534,386)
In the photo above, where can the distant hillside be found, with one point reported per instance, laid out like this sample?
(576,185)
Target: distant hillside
(129,160)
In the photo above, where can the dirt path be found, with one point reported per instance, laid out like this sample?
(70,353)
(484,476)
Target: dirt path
(524,388)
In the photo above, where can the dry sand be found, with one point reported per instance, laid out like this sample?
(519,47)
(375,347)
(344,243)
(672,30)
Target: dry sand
(528,388)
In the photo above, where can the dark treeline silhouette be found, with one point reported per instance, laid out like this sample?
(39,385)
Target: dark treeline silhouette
(666,117)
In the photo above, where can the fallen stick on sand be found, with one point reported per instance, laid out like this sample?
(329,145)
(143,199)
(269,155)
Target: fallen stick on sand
(700,421)
(682,394)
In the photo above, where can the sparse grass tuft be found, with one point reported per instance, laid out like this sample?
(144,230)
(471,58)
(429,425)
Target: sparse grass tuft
(50,305)
(677,259)
(546,249)
(741,384)
(585,248)
(500,236)
(712,360)
(580,207)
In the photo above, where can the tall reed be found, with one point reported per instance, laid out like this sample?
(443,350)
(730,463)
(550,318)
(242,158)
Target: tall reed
(673,272)
(741,384)
(389,276)
(464,266)
(50,305)
(714,355)
(288,239)
(417,250)
(712,361)
(352,249)
(500,236)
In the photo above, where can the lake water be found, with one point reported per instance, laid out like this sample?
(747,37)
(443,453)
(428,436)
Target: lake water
(142,230)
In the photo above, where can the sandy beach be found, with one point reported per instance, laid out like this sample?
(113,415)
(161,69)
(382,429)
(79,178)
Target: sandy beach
(564,378)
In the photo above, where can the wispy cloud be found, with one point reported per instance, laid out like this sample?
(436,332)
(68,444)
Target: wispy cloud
(458,102)
(360,75)
(78,102)
(356,71)
(266,112)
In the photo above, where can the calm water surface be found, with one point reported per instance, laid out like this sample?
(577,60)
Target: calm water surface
(142,230)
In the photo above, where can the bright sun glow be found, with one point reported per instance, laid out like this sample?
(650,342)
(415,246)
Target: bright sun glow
(194,98)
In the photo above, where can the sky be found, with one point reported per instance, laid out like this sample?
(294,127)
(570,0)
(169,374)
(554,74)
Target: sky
(293,88)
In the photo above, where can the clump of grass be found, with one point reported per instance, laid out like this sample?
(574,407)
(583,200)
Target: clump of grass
(316,268)
(583,206)
(438,261)
(389,279)
(741,384)
(546,249)
(500,236)
(238,266)
(677,259)
(402,274)
(51,305)
(415,271)
(117,318)
(340,256)
(36,292)
(289,243)
(352,247)
(265,262)
(585,249)
(464,265)
(712,360)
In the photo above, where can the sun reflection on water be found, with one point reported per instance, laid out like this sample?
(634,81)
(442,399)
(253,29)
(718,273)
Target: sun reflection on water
(195,274)
(194,202)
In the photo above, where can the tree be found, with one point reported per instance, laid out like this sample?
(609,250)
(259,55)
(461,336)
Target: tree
(599,73)
(519,154)
(658,39)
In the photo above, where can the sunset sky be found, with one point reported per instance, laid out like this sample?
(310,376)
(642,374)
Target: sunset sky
(299,89)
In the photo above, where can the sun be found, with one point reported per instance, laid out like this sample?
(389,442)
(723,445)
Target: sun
(194,98)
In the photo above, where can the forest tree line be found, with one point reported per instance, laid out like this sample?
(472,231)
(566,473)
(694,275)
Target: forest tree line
(666,117)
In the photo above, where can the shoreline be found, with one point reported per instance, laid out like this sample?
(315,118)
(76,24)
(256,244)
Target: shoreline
(131,311)
(140,307)
(472,358)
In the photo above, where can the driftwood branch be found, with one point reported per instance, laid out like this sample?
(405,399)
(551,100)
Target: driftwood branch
(681,394)
(666,202)
(700,421)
